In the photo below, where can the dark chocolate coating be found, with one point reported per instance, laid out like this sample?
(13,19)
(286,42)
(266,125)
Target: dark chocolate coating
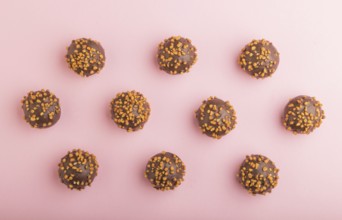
(41,108)
(85,56)
(176,55)
(216,117)
(78,169)
(130,110)
(259,58)
(303,114)
(258,174)
(165,171)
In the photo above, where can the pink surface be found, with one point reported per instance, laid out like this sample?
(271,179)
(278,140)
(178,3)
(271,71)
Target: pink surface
(34,36)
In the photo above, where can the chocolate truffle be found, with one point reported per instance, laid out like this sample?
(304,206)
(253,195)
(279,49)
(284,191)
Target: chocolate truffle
(176,55)
(85,56)
(130,110)
(78,169)
(41,108)
(259,58)
(165,171)
(258,174)
(303,114)
(216,117)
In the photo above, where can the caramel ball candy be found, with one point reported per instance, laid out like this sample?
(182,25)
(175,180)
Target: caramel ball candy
(176,55)
(303,114)
(165,171)
(78,169)
(130,110)
(41,108)
(216,117)
(259,58)
(85,57)
(258,174)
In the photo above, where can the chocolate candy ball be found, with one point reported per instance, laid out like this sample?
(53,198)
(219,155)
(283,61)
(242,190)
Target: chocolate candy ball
(258,174)
(85,56)
(78,169)
(41,108)
(303,114)
(259,58)
(130,110)
(216,117)
(176,55)
(165,171)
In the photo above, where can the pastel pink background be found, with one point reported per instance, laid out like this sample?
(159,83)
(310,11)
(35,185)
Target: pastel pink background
(34,36)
